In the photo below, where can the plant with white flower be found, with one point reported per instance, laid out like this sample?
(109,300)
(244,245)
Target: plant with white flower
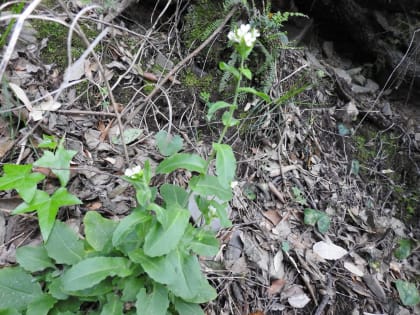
(244,38)
(133,172)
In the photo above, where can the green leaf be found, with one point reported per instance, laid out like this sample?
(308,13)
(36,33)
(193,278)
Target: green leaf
(228,119)
(58,162)
(9,311)
(162,239)
(185,308)
(101,289)
(225,163)
(225,67)
(48,142)
(113,305)
(323,223)
(214,107)
(129,135)
(208,185)
(168,144)
(64,246)
(191,162)
(190,283)
(246,72)
(404,249)
(41,305)
(21,178)
(408,293)
(204,243)
(251,90)
(17,288)
(173,194)
(47,207)
(311,216)
(98,231)
(130,286)
(91,271)
(221,213)
(343,130)
(33,259)
(355,167)
(297,193)
(155,303)
(160,269)
(127,225)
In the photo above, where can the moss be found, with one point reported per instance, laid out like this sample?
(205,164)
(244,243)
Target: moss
(201,84)
(56,49)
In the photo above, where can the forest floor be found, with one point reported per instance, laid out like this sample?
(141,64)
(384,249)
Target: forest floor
(337,146)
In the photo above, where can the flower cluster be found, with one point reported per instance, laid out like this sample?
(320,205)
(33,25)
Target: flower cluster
(244,35)
(133,172)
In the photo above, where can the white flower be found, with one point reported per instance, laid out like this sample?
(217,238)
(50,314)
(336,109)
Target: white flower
(132,172)
(244,34)
(212,210)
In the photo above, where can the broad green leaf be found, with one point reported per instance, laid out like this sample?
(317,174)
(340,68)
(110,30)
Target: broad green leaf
(47,207)
(225,163)
(98,231)
(91,271)
(190,283)
(41,305)
(101,289)
(162,239)
(21,178)
(17,288)
(64,245)
(214,107)
(9,311)
(113,305)
(185,308)
(404,249)
(228,119)
(127,225)
(48,142)
(311,216)
(33,258)
(55,289)
(205,243)
(173,194)
(323,223)
(129,135)
(191,162)
(130,286)
(58,162)
(155,303)
(208,185)
(159,269)
(251,90)
(246,72)
(408,293)
(168,144)
(225,67)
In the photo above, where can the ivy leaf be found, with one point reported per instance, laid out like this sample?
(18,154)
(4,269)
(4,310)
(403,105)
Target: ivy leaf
(408,293)
(168,144)
(58,162)
(21,178)
(191,162)
(48,142)
(47,207)
(225,163)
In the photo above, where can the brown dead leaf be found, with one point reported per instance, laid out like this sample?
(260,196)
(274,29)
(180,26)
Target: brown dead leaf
(257,313)
(150,76)
(276,286)
(94,205)
(272,216)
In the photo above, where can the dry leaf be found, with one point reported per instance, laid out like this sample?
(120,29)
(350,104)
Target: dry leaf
(299,301)
(38,111)
(20,94)
(329,250)
(273,216)
(276,286)
(353,269)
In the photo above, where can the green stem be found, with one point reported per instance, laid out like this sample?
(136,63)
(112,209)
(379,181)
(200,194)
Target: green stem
(231,111)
